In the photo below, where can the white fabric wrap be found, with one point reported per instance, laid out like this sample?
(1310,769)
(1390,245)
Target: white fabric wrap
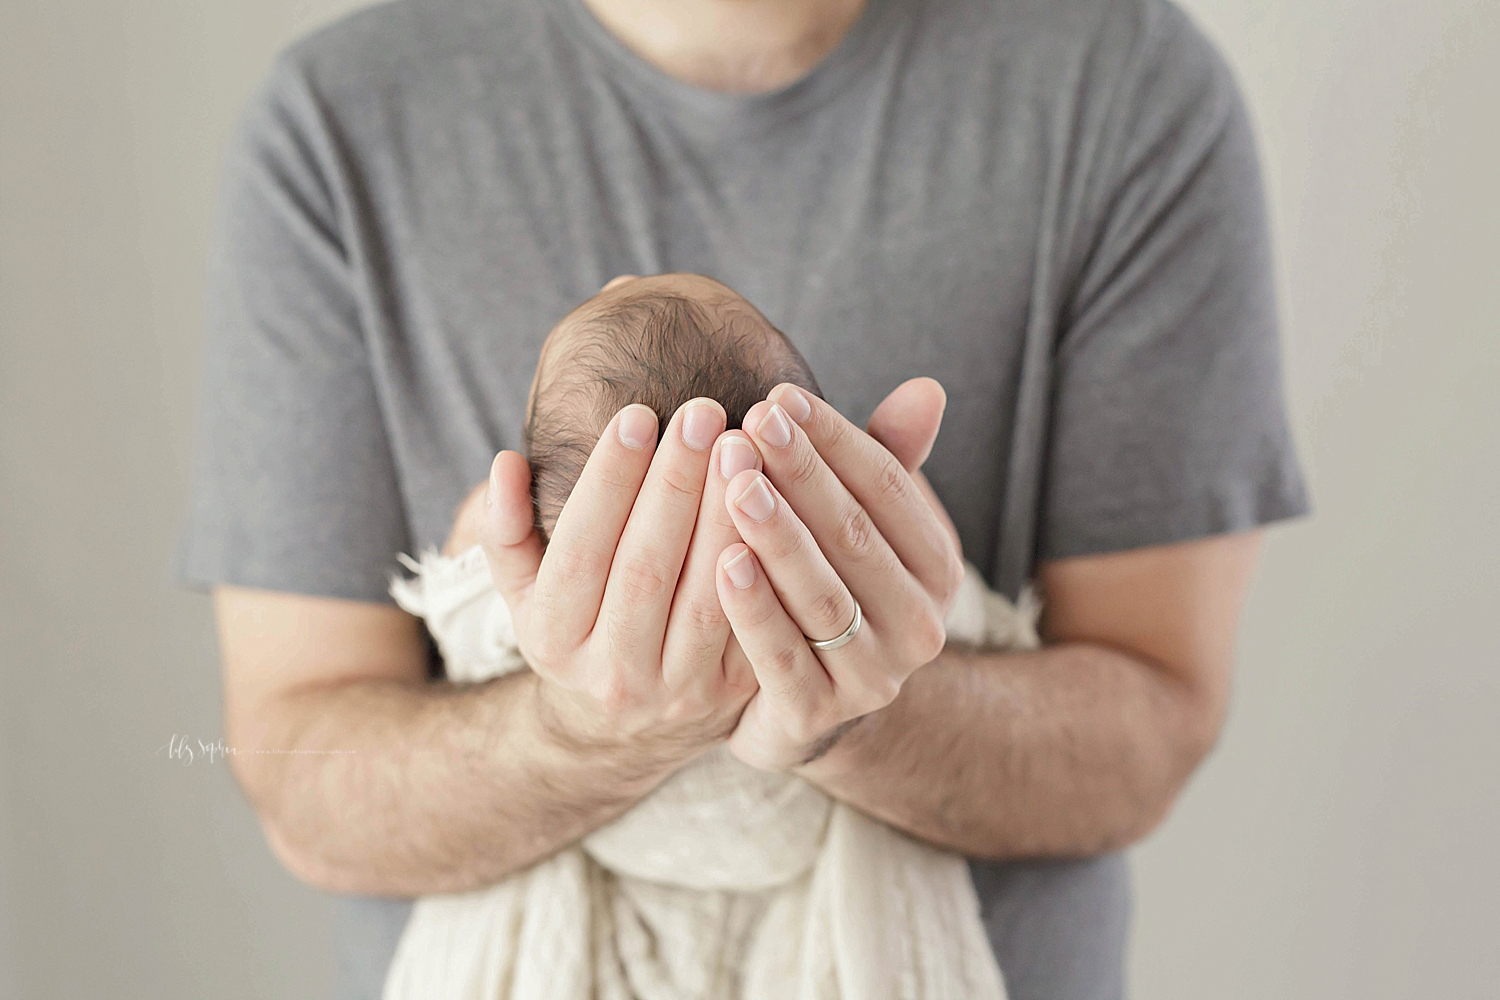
(726,882)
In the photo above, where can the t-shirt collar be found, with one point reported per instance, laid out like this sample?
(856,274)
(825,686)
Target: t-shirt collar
(721,111)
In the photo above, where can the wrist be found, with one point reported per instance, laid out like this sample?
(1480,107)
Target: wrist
(571,726)
(837,753)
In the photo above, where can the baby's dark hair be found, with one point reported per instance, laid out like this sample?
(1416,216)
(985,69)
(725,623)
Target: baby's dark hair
(659,349)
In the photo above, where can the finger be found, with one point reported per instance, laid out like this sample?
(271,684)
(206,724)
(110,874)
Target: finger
(649,559)
(810,588)
(855,543)
(883,489)
(508,531)
(938,510)
(794,685)
(697,629)
(571,580)
(907,421)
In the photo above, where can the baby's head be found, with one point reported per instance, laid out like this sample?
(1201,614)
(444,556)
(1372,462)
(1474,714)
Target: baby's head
(656,341)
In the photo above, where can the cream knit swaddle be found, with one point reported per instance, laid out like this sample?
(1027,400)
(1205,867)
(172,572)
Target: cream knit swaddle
(726,883)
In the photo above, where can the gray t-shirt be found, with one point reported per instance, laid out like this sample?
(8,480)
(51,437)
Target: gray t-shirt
(1052,206)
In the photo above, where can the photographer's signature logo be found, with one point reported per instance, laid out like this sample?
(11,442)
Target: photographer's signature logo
(186,750)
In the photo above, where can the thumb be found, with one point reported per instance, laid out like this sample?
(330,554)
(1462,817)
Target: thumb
(511,543)
(907,423)
(907,420)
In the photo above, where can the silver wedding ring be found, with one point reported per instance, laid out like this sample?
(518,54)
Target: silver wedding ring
(828,645)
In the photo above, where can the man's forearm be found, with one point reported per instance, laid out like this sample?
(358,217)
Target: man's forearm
(1067,751)
(447,788)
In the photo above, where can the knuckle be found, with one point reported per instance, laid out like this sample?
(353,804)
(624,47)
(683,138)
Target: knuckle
(789,545)
(619,476)
(616,696)
(854,532)
(834,430)
(757,614)
(805,466)
(893,483)
(680,488)
(783,663)
(621,637)
(926,639)
(703,616)
(571,563)
(685,707)
(831,609)
(641,580)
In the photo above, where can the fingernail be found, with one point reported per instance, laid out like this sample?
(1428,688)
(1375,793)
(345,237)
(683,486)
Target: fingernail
(493,493)
(736,455)
(774,428)
(757,503)
(637,427)
(740,570)
(796,404)
(701,425)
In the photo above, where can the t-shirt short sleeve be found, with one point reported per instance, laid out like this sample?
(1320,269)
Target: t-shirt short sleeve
(294,487)
(1168,420)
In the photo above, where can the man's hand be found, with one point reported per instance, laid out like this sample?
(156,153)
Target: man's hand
(835,517)
(1076,748)
(618,613)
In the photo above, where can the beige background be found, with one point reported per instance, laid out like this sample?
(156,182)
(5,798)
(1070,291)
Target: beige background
(1342,842)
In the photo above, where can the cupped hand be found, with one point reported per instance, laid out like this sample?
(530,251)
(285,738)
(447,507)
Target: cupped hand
(618,613)
(835,516)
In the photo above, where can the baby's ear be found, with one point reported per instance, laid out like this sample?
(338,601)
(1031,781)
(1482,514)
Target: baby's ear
(907,420)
